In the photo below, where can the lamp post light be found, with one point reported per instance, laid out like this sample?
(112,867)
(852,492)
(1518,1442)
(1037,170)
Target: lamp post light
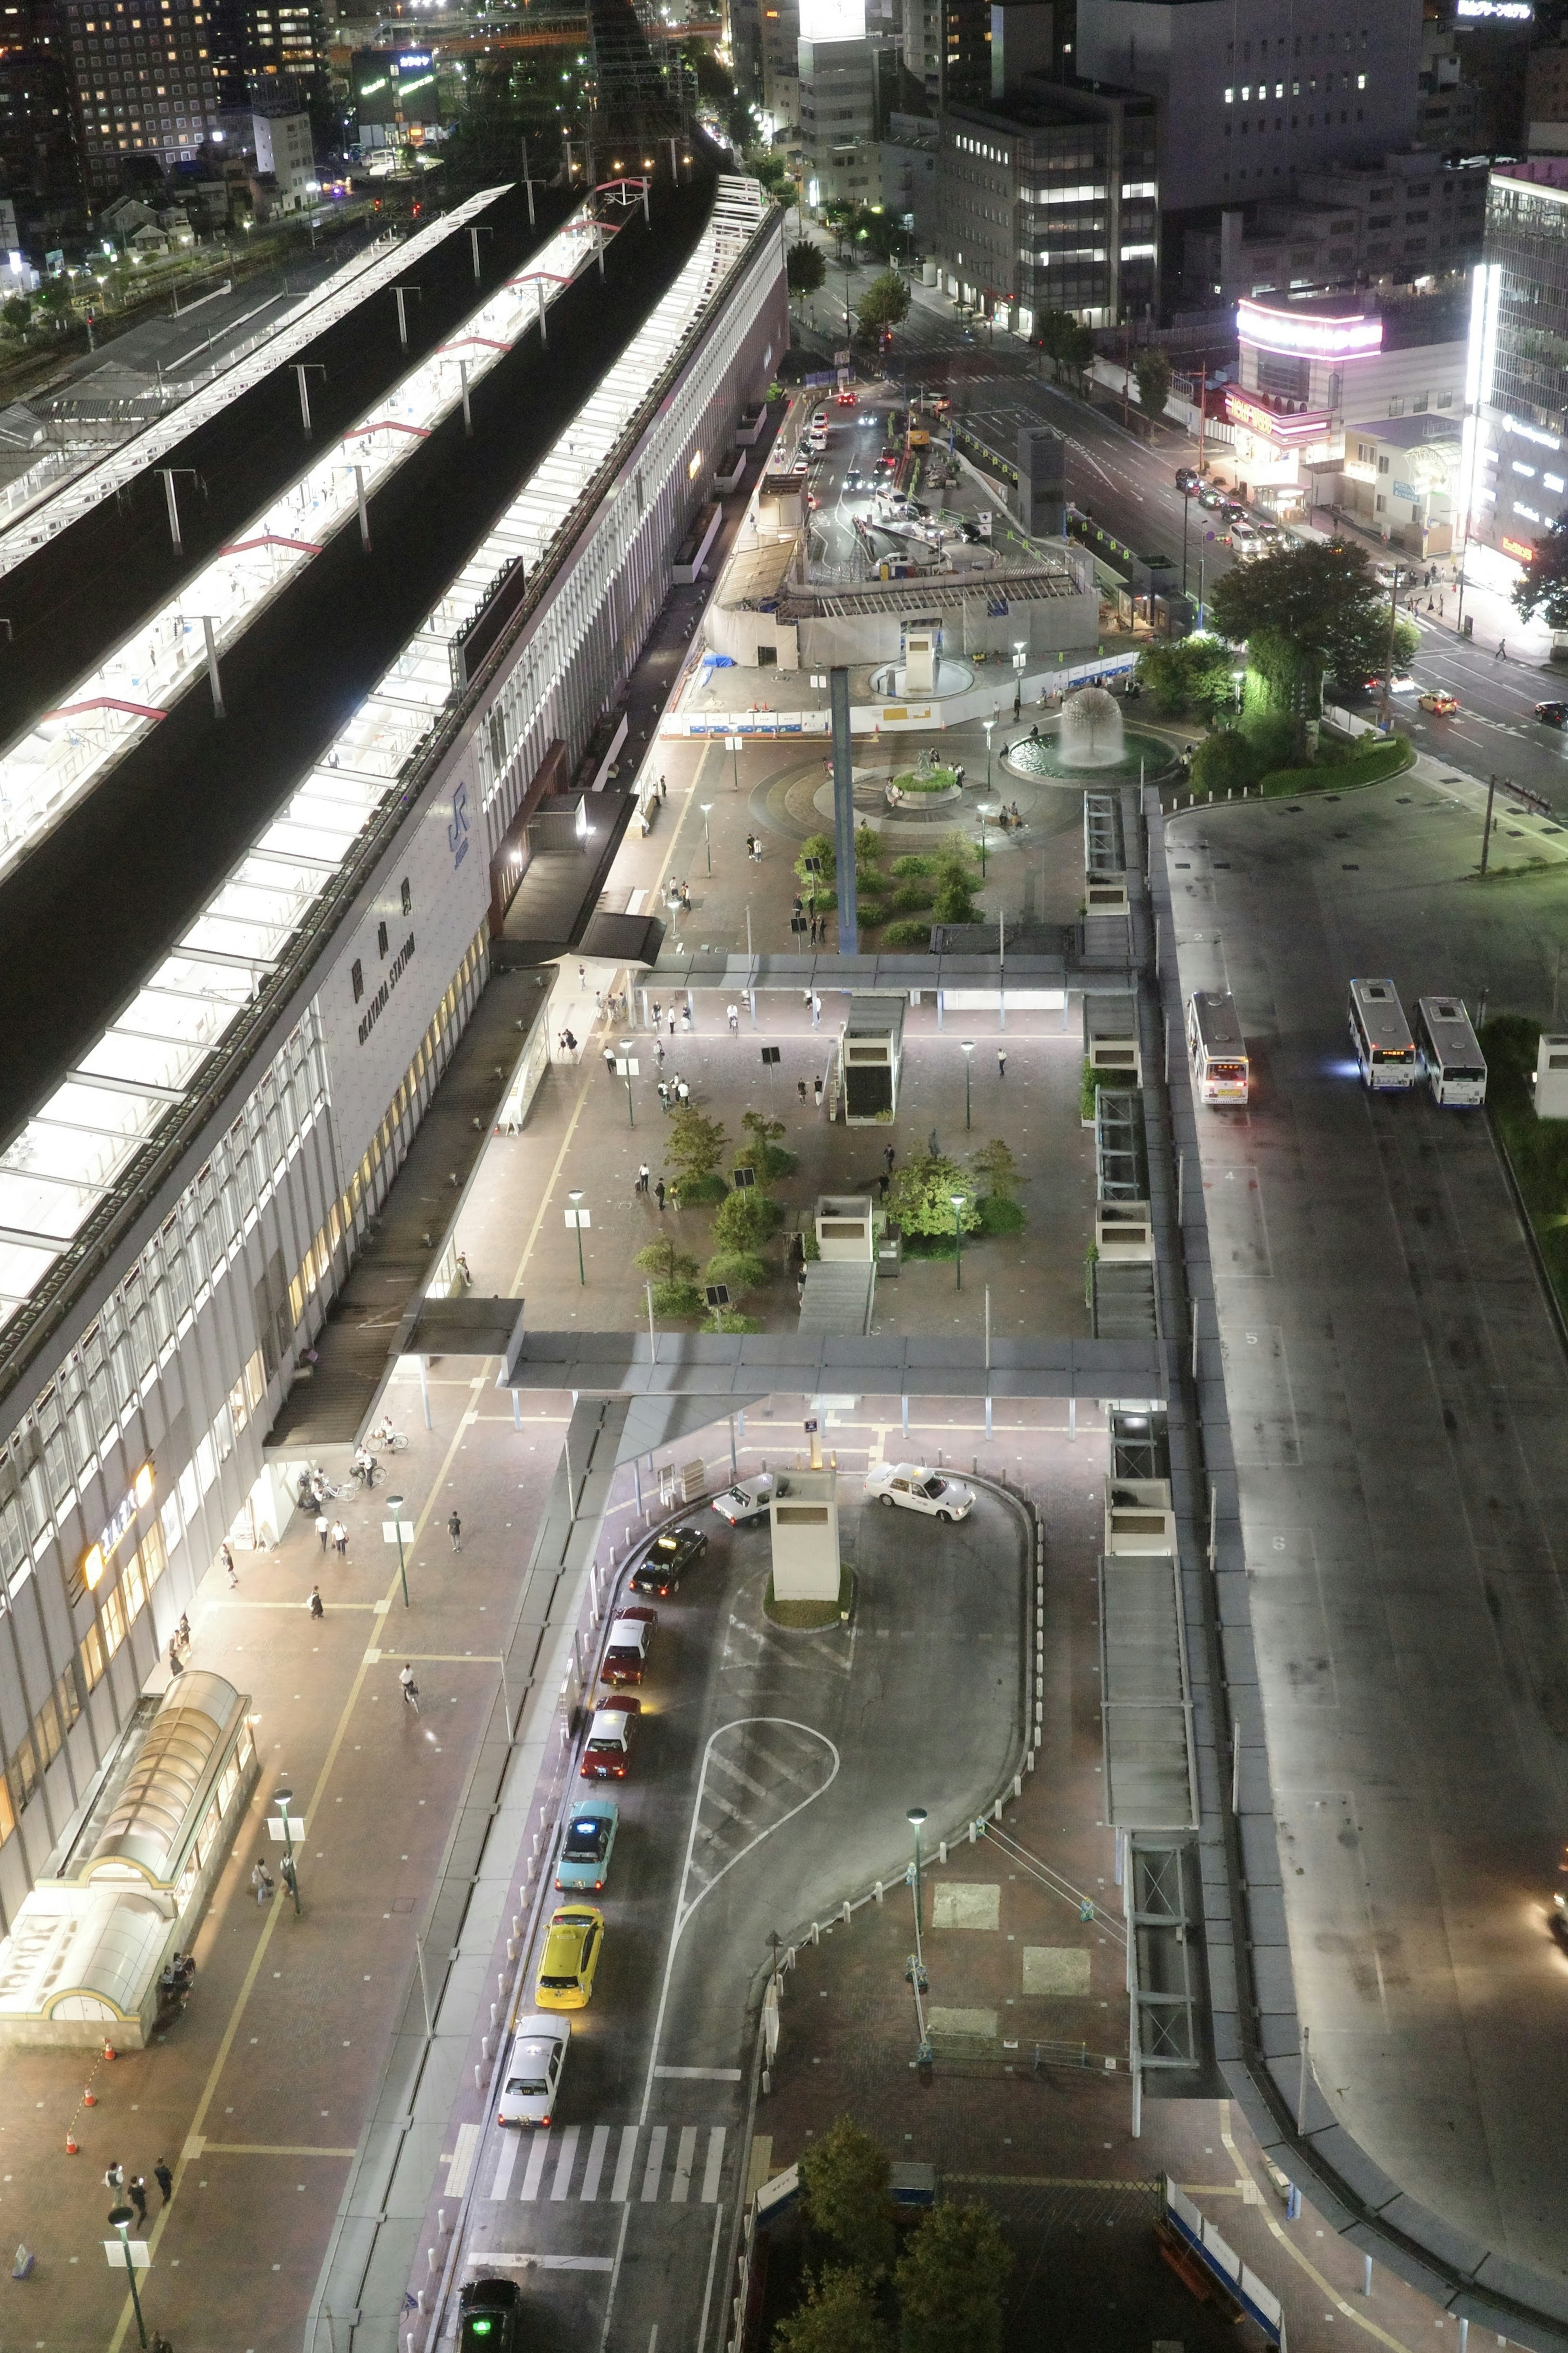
(576,1201)
(120,2219)
(958,1201)
(990,727)
(395,1506)
(1238,679)
(733,744)
(1020,656)
(706,808)
(283,1800)
(968,1046)
(982,812)
(627,1067)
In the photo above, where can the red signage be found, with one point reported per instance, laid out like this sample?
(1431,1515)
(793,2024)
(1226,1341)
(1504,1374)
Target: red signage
(1517,547)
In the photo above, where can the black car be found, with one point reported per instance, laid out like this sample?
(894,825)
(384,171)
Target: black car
(672,1552)
(1186,479)
(488,2317)
(1553,714)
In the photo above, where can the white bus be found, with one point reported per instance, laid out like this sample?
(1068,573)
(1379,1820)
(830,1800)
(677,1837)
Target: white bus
(1215,1047)
(1385,1050)
(1455,1065)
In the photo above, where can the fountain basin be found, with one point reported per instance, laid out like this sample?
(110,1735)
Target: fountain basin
(1041,757)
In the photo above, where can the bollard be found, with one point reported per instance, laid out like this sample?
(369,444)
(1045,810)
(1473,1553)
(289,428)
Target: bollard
(430,2257)
(996,1812)
(817,1932)
(419,2297)
(500,1981)
(484,2046)
(1366,2276)
(877,1892)
(1017,1785)
(1029,1762)
(942,1850)
(848,1914)
(973,1828)
(495,2009)
(441,2220)
(478,2080)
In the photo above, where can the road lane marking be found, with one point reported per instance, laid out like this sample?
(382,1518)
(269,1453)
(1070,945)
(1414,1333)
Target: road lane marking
(714,2166)
(536,2156)
(548,2263)
(654,2165)
(563,2164)
(596,2147)
(461,2172)
(502,2181)
(685,2156)
(707,2291)
(699,2074)
(620,2188)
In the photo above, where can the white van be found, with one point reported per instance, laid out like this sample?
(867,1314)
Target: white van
(533,2071)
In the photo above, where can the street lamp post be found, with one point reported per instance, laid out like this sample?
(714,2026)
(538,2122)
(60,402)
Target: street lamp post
(982,812)
(576,1201)
(121,2218)
(990,727)
(1020,656)
(958,1201)
(1238,679)
(968,1046)
(627,1067)
(395,1506)
(283,1800)
(915,1972)
(733,745)
(706,808)
(1385,716)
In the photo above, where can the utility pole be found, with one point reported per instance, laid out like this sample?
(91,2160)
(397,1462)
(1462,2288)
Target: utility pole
(1487,828)
(1386,713)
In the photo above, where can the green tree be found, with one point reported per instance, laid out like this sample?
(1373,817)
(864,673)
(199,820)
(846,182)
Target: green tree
(954,898)
(919,1198)
(951,2278)
(745,1220)
(883,304)
(1189,674)
(678,1298)
(1542,587)
(1224,762)
(840,2315)
(1302,613)
(766,1134)
(664,1263)
(1152,375)
(805,266)
(997,1170)
(843,2178)
(696,1143)
(1065,343)
(17,311)
(740,1270)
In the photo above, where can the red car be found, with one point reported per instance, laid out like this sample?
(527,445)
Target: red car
(625,1653)
(845,398)
(608,1749)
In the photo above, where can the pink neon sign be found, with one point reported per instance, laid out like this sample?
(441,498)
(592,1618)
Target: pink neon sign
(1306,335)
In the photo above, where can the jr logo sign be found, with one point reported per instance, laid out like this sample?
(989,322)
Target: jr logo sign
(457,831)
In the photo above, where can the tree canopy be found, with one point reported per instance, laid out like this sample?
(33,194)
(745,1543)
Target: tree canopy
(919,1198)
(997,1170)
(840,2315)
(885,301)
(1542,587)
(1190,674)
(805,267)
(1064,343)
(949,2280)
(1302,613)
(845,2176)
(696,1143)
(1152,375)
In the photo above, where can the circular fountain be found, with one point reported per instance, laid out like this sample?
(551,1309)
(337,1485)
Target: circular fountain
(1089,739)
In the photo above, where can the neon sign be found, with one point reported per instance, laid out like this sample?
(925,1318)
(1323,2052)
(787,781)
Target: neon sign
(1284,432)
(1517,548)
(1306,335)
(97,1558)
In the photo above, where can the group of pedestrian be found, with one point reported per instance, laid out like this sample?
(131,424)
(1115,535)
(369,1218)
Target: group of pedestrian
(135,2190)
(364,1466)
(754,848)
(567,1042)
(816,925)
(334,1534)
(674,1093)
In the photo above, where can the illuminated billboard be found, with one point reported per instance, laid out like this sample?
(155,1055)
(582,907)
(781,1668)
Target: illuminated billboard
(1284,431)
(1307,334)
(1495,12)
(832,20)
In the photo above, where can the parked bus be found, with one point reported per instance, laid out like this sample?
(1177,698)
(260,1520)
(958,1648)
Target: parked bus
(1455,1065)
(1215,1047)
(1385,1050)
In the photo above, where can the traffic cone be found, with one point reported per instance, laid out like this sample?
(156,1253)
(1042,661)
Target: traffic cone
(109,2052)
(72,2149)
(89,2098)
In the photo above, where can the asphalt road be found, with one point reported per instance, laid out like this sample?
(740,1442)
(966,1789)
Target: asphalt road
(773,1780)
(1399,1407)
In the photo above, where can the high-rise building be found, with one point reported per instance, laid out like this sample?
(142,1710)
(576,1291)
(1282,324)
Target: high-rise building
(1515,475)
(1049,202)
(845,92)
(268,46)
(39,168)
(144,83)
(1250,96)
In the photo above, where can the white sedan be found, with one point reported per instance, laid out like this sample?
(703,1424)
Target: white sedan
(919,1489)
(534,2078)
(748,1499)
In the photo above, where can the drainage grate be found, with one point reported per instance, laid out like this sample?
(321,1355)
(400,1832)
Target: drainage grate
(1224,863)
(1404,799)
(1552,828)
(1347,867)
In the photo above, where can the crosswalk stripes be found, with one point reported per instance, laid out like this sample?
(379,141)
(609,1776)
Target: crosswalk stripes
(556,2154)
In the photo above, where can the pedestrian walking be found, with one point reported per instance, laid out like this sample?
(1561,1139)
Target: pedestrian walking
(317,1609)
(226,1556)
(1501,653)
(687,1019)
(136,2190)
(732,1013)
(455,1530)
(757,851)
(340,1540)
(889,1154)
(176,1665)
(410,1688)
(658,1196)
(816,1091)
(261,1881)
(685,899)
(182,1632)
(164,2180)
(657,1012)
(683,1092)
(1001,1061)
(643,1174)
(322,1529)
(672,1025)
(114,2179)
(801,1084)
(609,1061)
(663,1096)
(663,789)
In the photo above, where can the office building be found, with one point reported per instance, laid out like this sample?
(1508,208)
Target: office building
(1515,470)
(285,156)
(845,93)
(1448,106)
(39,169)
(909,157)
(1050,202)
(1410,218)
(780,58)
(271,52)
(144,86)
